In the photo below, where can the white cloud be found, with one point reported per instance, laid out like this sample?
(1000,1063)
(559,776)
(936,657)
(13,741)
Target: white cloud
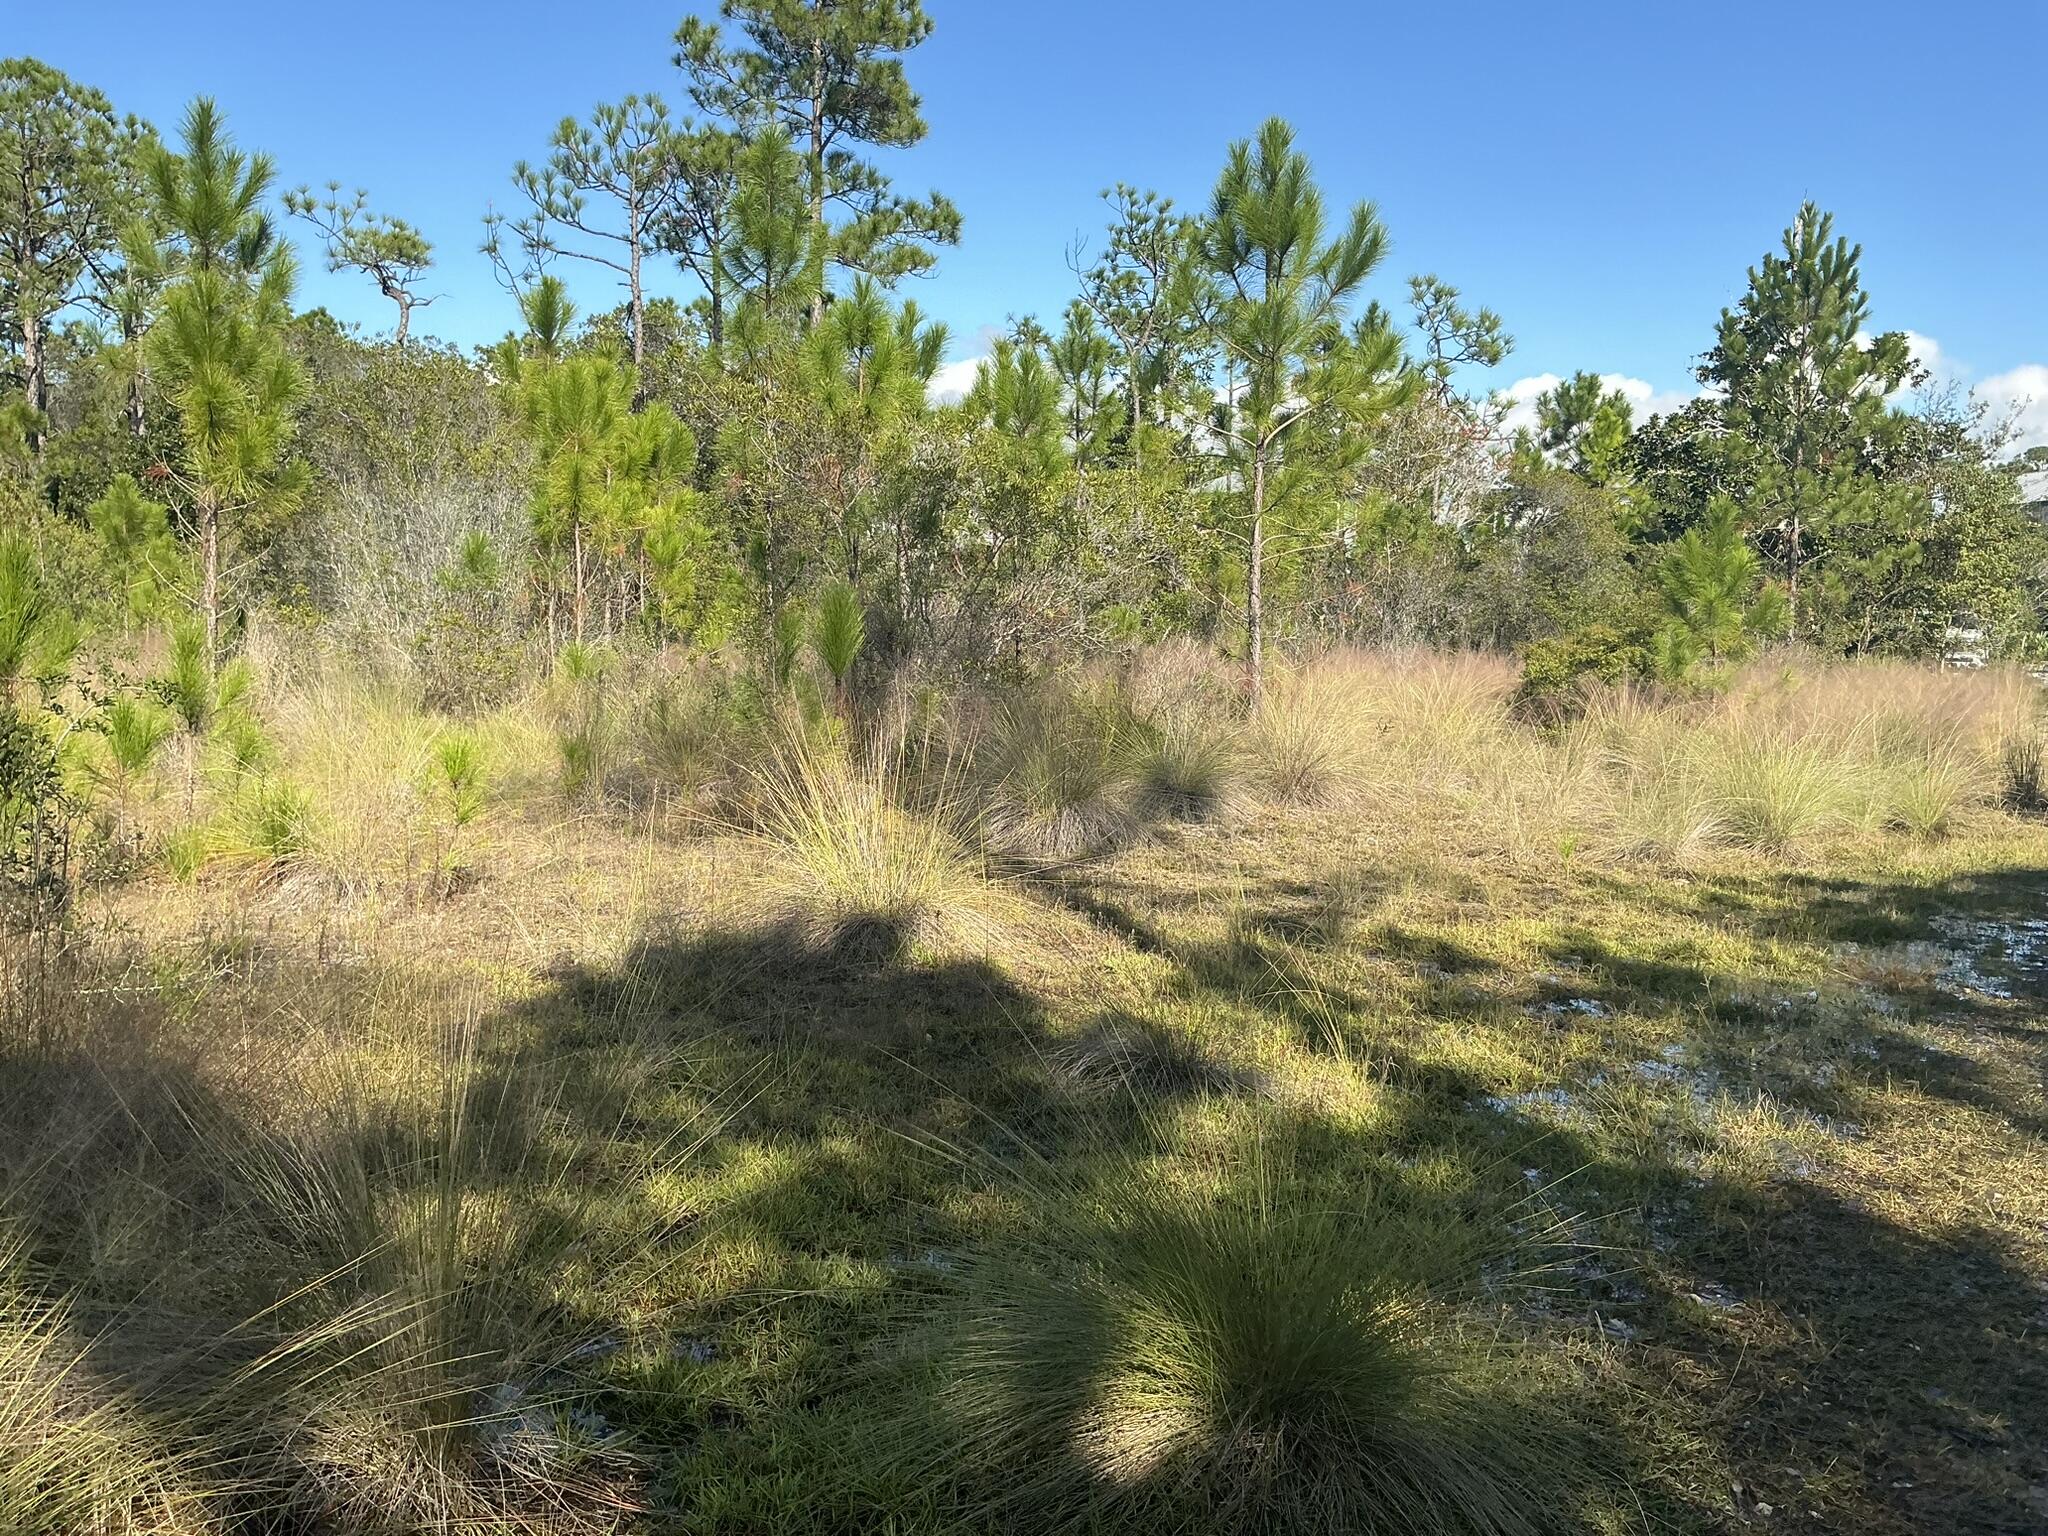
(1644,398)
(950,384)
(2022,394)
(2018,395)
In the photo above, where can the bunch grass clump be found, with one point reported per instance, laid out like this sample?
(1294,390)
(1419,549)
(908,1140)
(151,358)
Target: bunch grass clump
(1170,1359)
(1313,735)
(1771,787)
(1191,767)
(2023,769)
(1062,773)
(75,1454)
(324,1284)
(859,864)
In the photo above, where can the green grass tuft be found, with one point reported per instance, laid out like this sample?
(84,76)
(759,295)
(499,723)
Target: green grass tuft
(1167,1360)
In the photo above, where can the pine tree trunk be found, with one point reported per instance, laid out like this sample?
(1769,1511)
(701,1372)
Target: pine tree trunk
(209,582)
(1255,594)
(717,294)
(576,538)
(1792,567)
(35,375)
(131,338)
(818,175)
(639,301)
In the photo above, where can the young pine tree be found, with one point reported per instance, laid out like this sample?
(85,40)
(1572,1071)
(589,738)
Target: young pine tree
(219,349)
(1717,603)
(1301,384)
(1804,401)
(829,74)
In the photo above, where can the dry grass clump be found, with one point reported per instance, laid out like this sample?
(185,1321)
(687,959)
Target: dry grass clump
(76,1455)
(1166,1359)
(1314,734)
(2023,769)
(859,863)
(1785,758)
(1191,767)
(1143,1058)
(324,1226)
(1061,768)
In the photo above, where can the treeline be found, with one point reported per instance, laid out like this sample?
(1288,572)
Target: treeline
(1220,436)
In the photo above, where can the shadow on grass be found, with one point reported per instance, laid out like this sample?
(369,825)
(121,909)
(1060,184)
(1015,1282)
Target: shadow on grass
(1856,1371)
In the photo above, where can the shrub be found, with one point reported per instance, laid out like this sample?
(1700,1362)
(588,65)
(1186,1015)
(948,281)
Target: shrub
(468,654)
(1557,670)
(1165,1360)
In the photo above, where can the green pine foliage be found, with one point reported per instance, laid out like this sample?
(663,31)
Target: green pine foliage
(1718,604)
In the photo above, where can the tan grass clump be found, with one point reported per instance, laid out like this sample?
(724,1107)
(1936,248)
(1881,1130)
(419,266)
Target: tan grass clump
(1060,772)
(857,863)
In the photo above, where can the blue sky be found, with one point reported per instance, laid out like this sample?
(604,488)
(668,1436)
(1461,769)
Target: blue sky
(1602,174)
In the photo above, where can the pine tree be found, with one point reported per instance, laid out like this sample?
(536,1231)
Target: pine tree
(219,347)
(59,207)
(607,478)
(1299,380)
(387,250)
(604,195)
(1805,392)
(1149,289)
(698,224)
(830,74)
(770,254)
(867,364)
(1712,586)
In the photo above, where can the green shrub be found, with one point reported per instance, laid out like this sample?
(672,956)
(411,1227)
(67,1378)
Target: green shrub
(1557,670)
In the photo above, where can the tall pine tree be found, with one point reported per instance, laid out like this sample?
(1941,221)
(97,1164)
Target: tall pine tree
(1807,426)
(830,73)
